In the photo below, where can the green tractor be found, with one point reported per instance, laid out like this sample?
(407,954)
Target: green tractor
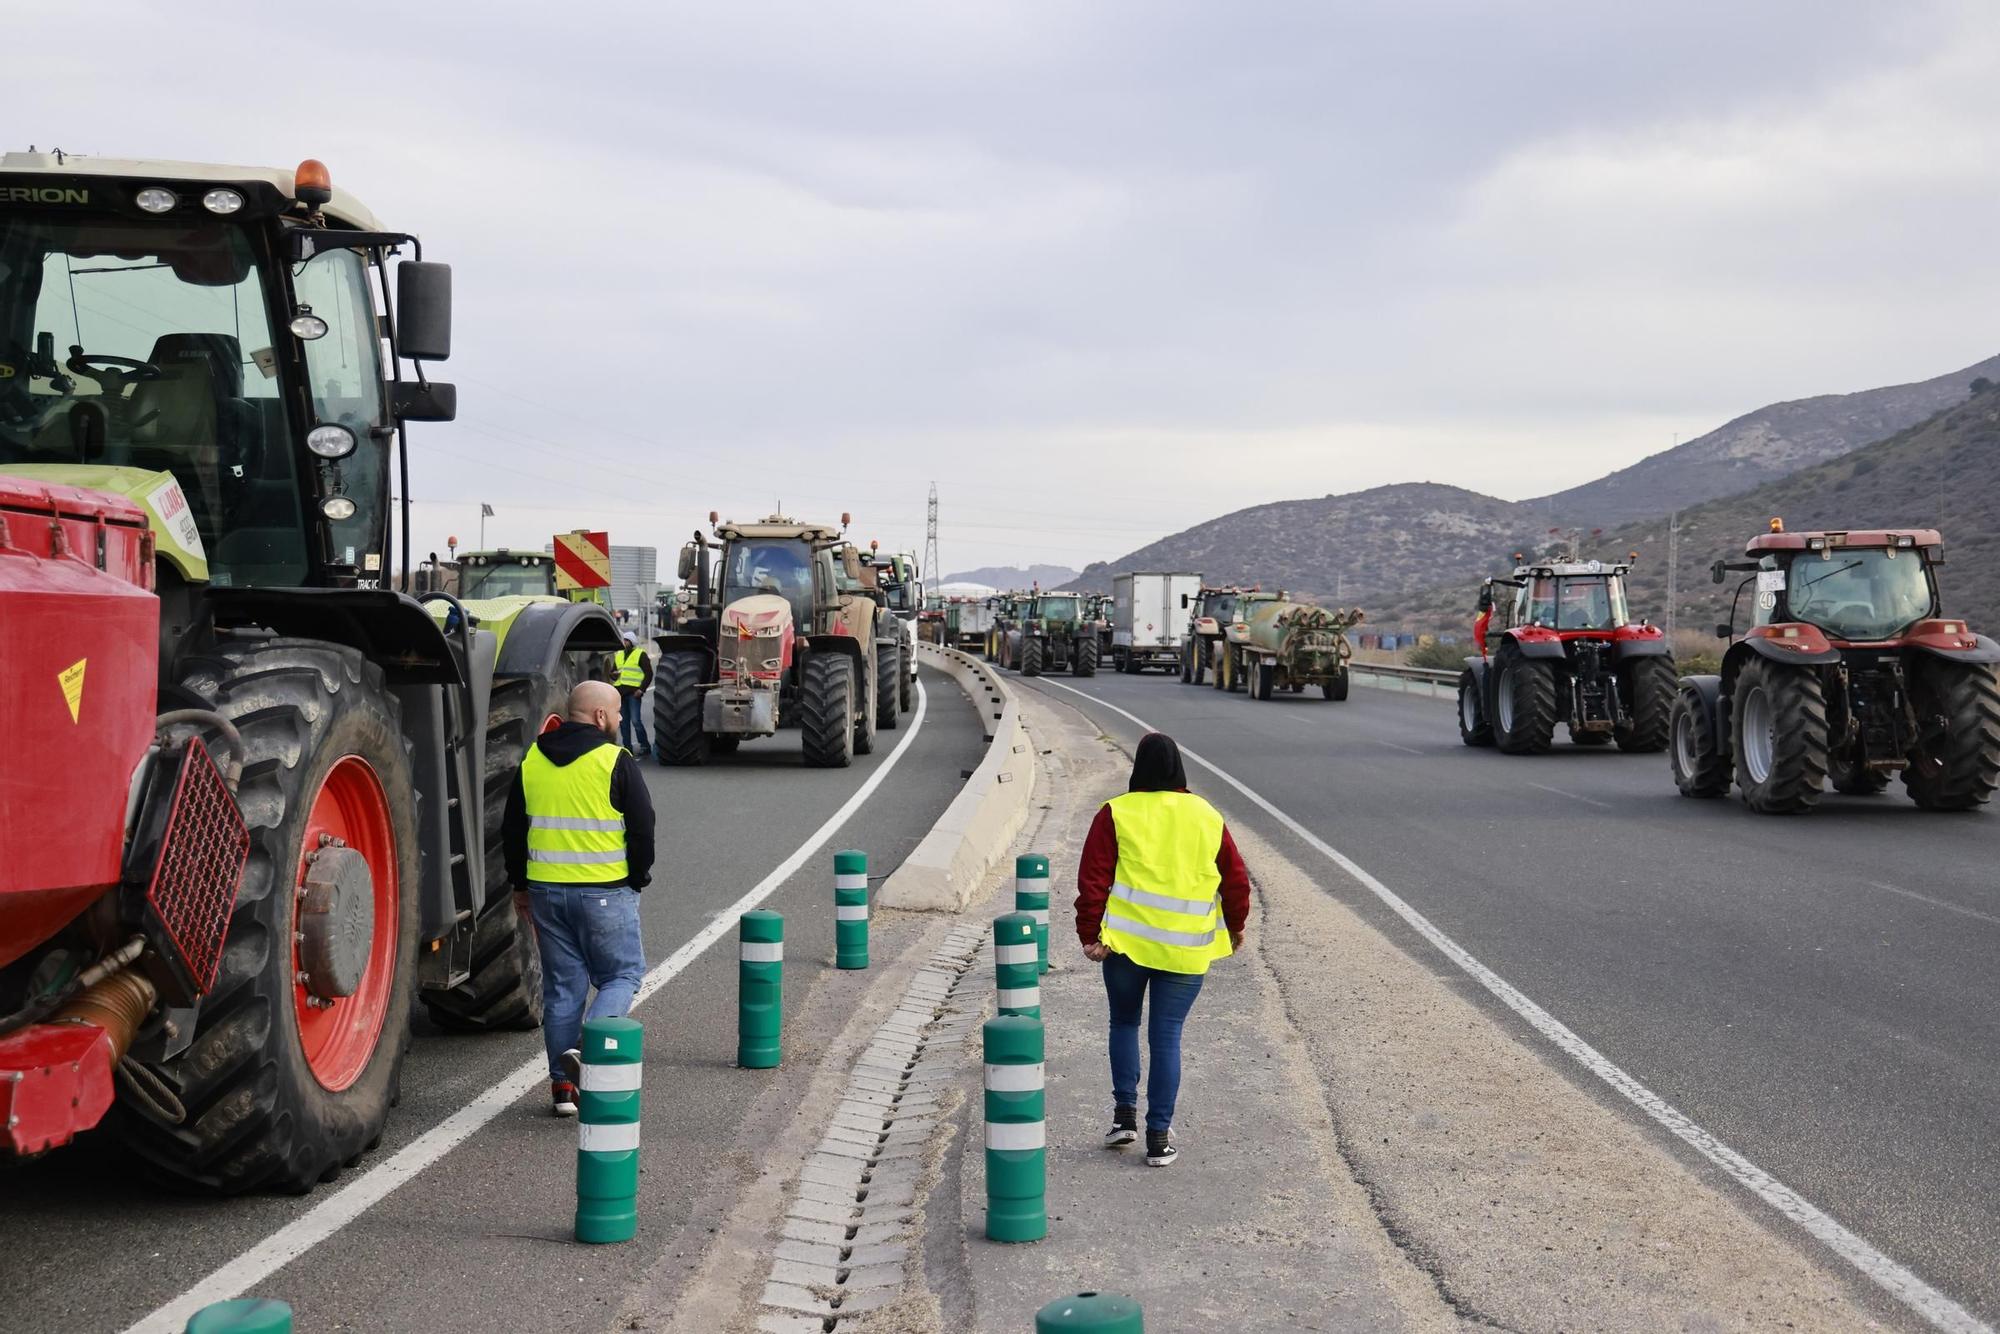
(1052,635)
(223,333)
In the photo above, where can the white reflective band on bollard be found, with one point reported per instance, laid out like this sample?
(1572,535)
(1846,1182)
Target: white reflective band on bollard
(607,1139)
(610,1078)
(1017,1135)
(1020,998)
(1041,916)
(850,912)
(850,882)
(1014,954)
(1015,1078)
(755,951)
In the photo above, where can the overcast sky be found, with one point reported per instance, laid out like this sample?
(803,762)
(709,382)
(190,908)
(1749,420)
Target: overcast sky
(1100,270)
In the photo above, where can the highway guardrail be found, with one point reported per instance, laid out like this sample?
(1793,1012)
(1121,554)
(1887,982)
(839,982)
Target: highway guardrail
(1441,683)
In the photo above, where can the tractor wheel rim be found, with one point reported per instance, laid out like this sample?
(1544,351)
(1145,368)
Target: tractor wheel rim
(1684,743)
(1760,739)
(1468,713)
(1505,702)
(339,1036)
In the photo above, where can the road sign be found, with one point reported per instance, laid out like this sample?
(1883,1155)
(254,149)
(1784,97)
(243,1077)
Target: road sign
(583,560)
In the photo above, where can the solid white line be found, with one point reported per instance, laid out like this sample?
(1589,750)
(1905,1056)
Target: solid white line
(336,1211)
(1601,805)
(1941,1311)
(1407,750)
(1937,903)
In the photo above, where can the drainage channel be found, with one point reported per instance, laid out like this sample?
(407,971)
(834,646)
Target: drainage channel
(845,1240)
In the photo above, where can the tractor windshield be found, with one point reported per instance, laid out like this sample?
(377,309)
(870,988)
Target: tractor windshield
(780,566)
(1222,607)
(1859,593)
(1591,602)
(1058,611)
(510,577)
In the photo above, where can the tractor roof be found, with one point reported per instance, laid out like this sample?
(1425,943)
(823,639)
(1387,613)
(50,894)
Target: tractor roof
(777,525)
(1862,537)
(1570,568)
(343,207)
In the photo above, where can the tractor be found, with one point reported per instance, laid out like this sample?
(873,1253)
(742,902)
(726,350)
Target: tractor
(903,590)
(272,825)
(1569,653)
(784,627)
(1849,672)
(1097,612)
(1052,636)
(1004,614)
(1210,610)
(1274,643)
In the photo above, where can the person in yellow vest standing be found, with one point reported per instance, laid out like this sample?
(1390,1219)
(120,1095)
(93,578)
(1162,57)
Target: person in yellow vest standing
(1161,893)
(578,839)
(635,674)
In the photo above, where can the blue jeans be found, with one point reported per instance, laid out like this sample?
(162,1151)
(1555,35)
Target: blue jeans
(1125,985)
(632,718)
(589,937)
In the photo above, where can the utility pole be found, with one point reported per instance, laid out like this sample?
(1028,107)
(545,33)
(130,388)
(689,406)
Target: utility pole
(930,569)
(1673,571)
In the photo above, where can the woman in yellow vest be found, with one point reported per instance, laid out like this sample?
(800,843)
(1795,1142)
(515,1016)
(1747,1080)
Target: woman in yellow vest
(1161,892)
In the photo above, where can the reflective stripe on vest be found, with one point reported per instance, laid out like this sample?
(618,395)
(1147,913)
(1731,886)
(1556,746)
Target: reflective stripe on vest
(631,672)
(575,835)
(1165,909)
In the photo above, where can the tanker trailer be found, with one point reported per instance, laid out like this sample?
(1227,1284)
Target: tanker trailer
(1278,644)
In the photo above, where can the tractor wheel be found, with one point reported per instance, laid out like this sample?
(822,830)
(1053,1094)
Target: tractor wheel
(1218,665)
(677,681)
(1650,686)
(1335,687)
(906,679)
(1187,664)
(1086,659)
(826,711)
(1699,769)
(1474,729)
(1031,657)
(888,666)
(504,991)
(279,1092)
(1856,780)
(1780,718)
(1524,706)
(1956,762)
(1263,679)
(863,721)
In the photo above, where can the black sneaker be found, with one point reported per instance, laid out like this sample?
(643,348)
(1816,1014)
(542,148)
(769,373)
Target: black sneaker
(1124,1128)
(563,1095)
(1160,1150)
(572,1064)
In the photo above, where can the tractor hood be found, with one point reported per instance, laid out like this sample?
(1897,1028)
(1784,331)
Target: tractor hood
(758,614)
(175,536)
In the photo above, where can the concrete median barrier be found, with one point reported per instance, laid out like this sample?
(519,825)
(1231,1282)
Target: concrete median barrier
(979,826)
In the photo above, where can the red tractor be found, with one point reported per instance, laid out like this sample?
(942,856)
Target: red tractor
(1849,672)
(1568,653)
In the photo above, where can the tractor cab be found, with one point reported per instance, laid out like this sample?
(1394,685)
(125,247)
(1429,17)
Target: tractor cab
(504,573)
(1057,611)
(1853,587)
(1570,597)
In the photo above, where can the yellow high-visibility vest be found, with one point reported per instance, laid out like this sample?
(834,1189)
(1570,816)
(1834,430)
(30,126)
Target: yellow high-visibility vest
(1165,909)
(575,835)
(631,671)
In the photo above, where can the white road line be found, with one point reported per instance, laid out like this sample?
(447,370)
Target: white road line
(336,1211)
(1936,1308)
(1937,903)
(1601,805)
(1407,750)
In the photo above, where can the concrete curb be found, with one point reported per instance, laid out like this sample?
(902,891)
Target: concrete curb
(979,826)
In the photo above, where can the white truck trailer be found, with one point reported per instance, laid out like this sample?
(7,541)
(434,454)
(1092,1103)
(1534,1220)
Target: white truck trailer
(1147,619)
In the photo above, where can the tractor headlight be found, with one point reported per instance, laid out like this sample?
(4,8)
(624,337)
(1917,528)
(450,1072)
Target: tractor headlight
(307,326)
(337,507)
(222,201)
(156,199)
(330,442)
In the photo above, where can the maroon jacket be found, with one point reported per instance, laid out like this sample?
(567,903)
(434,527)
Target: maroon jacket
(1094,872)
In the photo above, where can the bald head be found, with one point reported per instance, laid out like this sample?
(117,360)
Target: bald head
(595,703)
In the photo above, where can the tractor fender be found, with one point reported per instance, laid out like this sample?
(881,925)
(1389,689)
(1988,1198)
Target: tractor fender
(833,643)
(1953,648)
(676,641)
(1772,642)
(1705,694)
(391,629)
(1532,642)
(1626,648)
(544,631)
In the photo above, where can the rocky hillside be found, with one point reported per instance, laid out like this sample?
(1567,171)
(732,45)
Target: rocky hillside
(1351,549)
(1758,447)
(1014,576)
(1944,472)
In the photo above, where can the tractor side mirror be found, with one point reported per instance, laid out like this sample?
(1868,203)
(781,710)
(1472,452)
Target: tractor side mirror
(423,310)
(1722,629)
(1717,572)
(686,570)
(432,401)
(1184,601)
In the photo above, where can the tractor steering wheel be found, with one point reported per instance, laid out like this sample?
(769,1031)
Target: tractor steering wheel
(110,381)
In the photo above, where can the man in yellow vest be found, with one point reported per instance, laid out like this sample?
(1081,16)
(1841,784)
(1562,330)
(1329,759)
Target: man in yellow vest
(635,674)
(578,838)
(1161,893)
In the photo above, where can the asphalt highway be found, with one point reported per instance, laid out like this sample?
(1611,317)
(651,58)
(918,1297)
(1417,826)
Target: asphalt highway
(479,1239)
(1817,992)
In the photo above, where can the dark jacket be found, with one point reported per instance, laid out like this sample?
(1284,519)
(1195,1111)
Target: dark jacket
(566,743)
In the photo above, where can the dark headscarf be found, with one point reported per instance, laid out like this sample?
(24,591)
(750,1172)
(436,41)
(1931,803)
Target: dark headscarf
(1156,767)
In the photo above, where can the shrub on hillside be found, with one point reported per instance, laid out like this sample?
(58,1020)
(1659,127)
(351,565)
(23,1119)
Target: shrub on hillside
(1438,656)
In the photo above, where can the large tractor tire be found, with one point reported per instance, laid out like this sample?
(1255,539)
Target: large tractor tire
(1188,661)
(865,716)
(1524,706)
(1699,767)
(677,682)
(282,1089)
(906,679)
(1650,686)
(1474,728)
(888,668)
(826,711)
(1218,665)
(1781,737)
(1263,679)
(1335,687)
(1031,657)
(1957,769)
(1085,662)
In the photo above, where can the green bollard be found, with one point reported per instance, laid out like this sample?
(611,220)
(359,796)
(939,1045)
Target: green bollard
(1016,1135)
(1031,896)
(1091,1313)
(850,909)
(242,1315)
(760,972)
(607,1131)
(1014,965)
